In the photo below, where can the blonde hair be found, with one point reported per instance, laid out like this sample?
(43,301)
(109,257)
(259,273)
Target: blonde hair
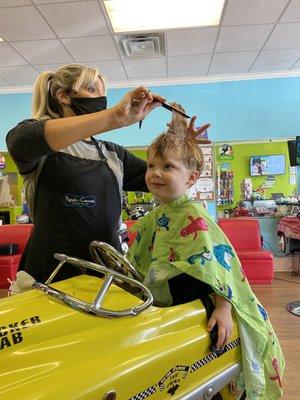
(69,77)
(176,143)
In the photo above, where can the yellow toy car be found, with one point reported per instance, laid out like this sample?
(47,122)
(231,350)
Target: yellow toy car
(92,338)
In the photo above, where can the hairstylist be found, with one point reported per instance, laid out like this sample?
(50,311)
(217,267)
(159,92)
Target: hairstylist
(73,181)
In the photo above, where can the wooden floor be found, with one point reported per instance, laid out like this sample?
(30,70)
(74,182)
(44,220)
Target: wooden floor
(275,297)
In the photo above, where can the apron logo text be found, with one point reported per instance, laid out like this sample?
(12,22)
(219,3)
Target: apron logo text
(74,200)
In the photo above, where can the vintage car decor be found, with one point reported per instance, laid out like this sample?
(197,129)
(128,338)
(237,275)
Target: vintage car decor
(100,337)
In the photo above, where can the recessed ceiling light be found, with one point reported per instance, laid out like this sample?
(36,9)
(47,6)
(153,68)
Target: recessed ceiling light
(1,39)
(149,15)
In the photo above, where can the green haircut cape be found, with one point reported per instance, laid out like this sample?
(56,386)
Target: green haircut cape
(182,237)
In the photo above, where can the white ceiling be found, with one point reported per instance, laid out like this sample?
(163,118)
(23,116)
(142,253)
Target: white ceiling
(256,38)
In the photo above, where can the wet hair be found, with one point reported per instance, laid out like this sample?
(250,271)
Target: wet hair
(176,143)
(69,78)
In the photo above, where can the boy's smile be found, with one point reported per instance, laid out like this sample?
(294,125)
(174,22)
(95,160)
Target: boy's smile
(168,179)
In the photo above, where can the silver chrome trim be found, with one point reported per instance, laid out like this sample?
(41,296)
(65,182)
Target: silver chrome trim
(102,252)
(95,306)
(110,395)
(211,387)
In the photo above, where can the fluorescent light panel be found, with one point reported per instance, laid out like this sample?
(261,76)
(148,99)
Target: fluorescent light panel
(149,15)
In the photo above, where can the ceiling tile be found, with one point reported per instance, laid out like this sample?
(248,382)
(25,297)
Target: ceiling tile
(94,48)
(141,68)
(284,36)
(8,56)
(23,23)
(50,33)
(43,51)
(10,3)
(297,65)
(292,14)
(22,75)
(3,83)
(48,67)
(276,59)
(200,41)
(82,19)
(242,38)
(51,1)
(112,70)
(240,12)
(188,65)
(232,62)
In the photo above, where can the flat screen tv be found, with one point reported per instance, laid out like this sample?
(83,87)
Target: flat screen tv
(292,152)
(267,165)
(297,150)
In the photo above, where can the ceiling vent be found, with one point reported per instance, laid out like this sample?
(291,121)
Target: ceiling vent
(147,45)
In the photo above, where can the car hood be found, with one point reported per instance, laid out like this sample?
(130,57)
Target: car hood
(49,350)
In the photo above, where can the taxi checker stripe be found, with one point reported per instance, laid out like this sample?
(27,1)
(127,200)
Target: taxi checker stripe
(205,360)
(233,344)
(142,395)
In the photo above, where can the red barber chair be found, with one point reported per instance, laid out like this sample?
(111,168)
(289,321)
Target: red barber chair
(244,235)
(13,239)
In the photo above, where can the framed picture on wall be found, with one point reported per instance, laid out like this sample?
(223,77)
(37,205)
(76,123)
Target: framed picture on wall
(8,189)
(204,189)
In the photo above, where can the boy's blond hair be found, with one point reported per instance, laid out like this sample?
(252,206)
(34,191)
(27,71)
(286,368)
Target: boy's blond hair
(177,144)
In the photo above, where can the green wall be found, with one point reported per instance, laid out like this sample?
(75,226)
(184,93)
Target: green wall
(11,168)
(240,165)
(132,198)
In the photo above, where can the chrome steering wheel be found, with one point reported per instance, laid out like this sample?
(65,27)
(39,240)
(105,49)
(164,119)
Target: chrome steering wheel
(103,253)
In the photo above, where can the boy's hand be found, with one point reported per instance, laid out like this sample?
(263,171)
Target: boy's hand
(196,133)
(222,317)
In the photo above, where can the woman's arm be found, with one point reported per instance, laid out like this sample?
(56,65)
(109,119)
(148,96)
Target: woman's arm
(134,172)
(62,132)
(27,145)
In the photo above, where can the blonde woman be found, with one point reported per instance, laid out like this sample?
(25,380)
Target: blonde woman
(73,181)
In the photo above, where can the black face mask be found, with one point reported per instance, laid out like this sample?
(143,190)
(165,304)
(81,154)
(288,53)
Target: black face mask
(88,105)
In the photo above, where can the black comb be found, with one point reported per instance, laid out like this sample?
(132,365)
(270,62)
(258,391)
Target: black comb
(170,108)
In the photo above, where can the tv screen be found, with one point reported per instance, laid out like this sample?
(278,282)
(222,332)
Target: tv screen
(267,165)
(292,152)
(297,150)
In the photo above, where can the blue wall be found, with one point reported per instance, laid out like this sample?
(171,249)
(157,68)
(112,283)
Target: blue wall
(238,110)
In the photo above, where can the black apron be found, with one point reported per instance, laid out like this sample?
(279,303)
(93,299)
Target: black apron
(76,201)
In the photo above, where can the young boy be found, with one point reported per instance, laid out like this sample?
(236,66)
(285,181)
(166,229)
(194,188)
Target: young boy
(179,239)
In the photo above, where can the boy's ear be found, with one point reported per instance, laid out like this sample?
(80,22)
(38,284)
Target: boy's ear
(194,175)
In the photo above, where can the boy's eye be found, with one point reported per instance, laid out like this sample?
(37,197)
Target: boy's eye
(168,166)
(149,166)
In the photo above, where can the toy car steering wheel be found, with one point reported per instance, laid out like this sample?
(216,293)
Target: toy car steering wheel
(102,252)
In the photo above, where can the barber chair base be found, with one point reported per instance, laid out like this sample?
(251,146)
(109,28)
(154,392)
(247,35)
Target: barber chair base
(294,308)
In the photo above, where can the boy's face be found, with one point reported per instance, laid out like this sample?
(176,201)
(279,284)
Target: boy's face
(168,179)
